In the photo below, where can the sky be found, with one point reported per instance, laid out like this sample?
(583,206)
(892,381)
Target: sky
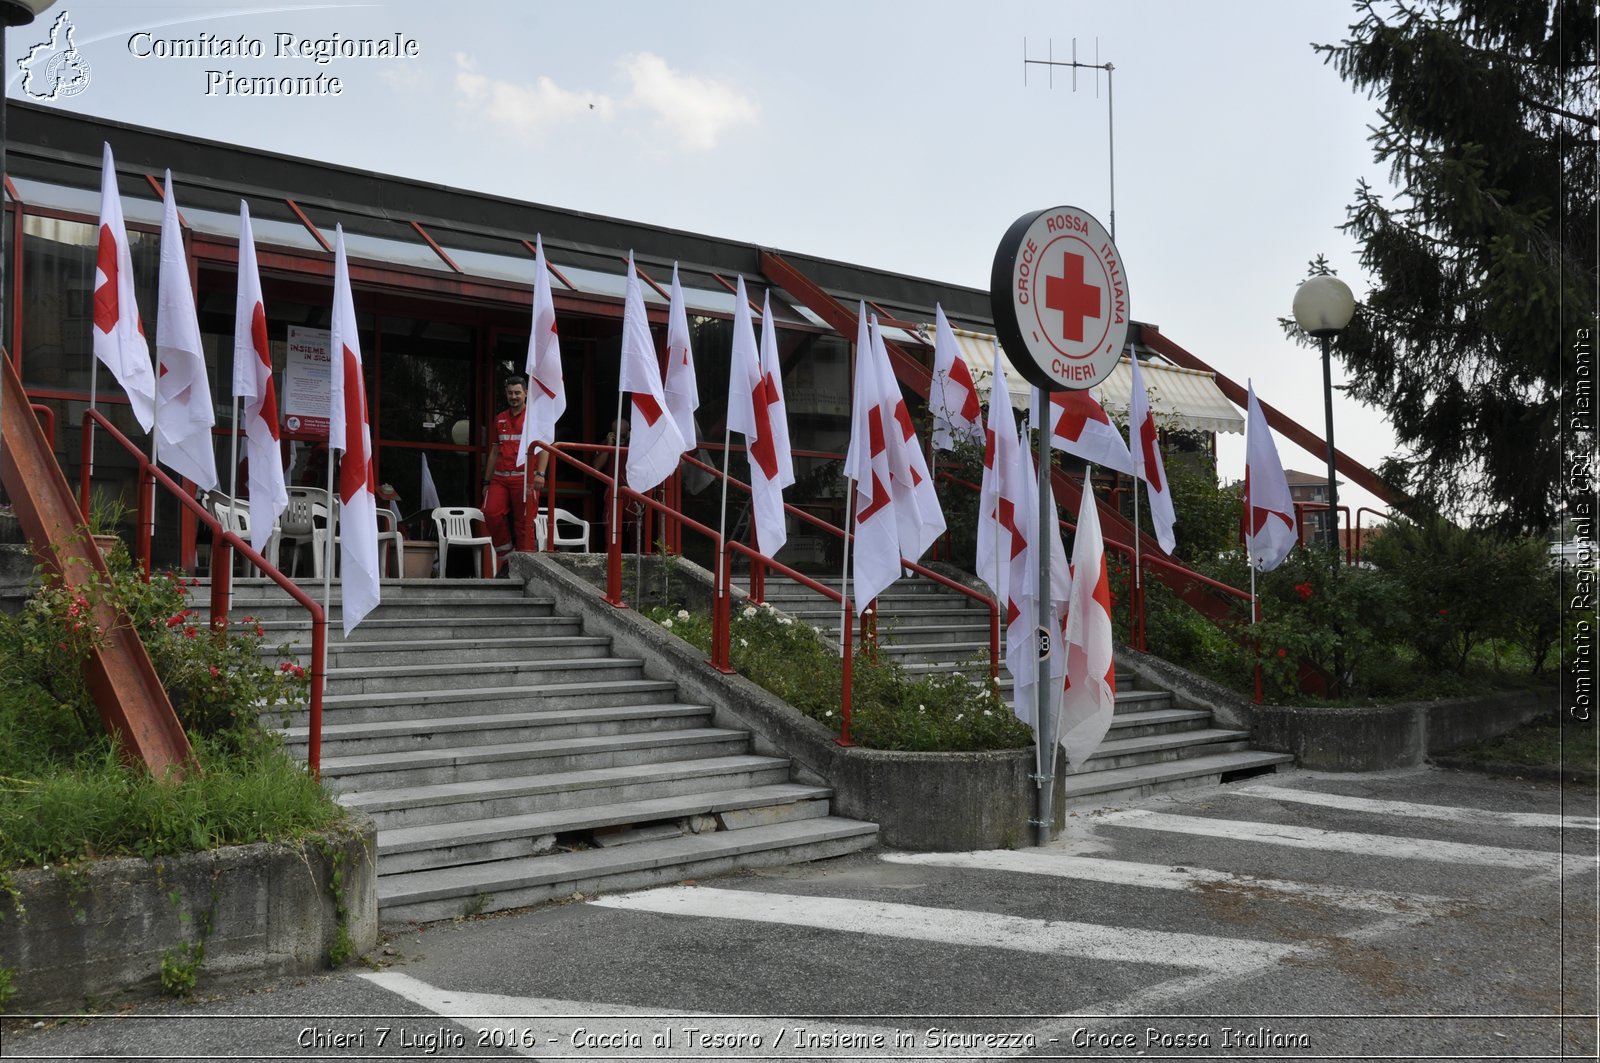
(905,136)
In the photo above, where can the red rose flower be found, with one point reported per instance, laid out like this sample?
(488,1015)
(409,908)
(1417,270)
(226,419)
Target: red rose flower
(1304,590)
(1282,652)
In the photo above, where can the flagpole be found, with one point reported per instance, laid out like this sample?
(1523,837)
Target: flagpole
(722,519)
(233,457)
(1136,614)
(94,384)
(616,474)
(844,578)
(327,557)
(1043,701)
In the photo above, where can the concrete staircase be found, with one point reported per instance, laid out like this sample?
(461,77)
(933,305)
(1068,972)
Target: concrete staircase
(1155,742)
(508,758)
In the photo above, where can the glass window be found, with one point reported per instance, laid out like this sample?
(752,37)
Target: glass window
(428,382)
(58,272)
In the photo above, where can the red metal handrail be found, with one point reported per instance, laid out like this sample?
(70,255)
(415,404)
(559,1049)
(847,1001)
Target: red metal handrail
(223,543)
(721,614)
(1385,514)
(944,581)
(47,419)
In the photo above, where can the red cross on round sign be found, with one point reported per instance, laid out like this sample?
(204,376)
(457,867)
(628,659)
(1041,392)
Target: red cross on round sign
(1060,298)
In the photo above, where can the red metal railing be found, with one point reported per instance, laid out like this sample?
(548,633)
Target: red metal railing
(224,543)
(722,553)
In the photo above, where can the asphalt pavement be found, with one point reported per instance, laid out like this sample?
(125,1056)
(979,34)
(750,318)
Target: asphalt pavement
(1397,915)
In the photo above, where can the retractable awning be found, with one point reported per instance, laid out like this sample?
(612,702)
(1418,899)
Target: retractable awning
(1185,399)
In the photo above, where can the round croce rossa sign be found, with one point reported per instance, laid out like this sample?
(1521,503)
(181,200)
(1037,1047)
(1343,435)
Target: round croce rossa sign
(1060,298)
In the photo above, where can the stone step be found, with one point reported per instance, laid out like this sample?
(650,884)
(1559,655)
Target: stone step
(366,655)
(450,892)
(479,763)
(974,633)
(1118,752)
(1086,789)
(389,590)
(378,628)
(400,679)
(437,732)
(462,801)
(588,693)
(963,656)
(508,837)
(1133,724)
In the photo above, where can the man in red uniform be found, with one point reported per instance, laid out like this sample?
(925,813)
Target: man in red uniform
(503,498)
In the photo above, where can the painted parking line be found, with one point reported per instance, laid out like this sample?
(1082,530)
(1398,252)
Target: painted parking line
(1188,879)
(1478,817)
(1380,845)
(956,927)
(595,1030)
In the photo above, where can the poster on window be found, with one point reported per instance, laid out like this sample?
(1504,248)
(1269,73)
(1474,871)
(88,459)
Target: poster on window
(306,384)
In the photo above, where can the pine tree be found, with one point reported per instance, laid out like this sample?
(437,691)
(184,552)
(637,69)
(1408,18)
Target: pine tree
(1483,263)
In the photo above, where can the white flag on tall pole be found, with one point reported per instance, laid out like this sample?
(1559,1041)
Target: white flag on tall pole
(253,386)
(681,389)
(1080,427)
(918,515)
(349,431)
(751,408)
(994,537)
(1269,524)
(772,374)
(1090,697)
(185,413)
(547,390)
(1019,516)
(119,341)
(1147,465)
(876,555)
(952,397)
(654,442)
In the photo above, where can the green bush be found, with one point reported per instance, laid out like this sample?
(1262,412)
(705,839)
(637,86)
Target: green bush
(67,794)
(889,709)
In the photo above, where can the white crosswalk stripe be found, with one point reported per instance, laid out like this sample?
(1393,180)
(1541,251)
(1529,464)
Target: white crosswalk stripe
(1152,876)
(1377,845)
(1412,810)
(956,927)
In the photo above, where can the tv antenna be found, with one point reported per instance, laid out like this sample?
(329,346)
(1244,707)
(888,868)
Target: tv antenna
(1050,63)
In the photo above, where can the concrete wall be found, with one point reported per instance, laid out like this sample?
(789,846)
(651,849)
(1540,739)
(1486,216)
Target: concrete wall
(96,935)
(928,801)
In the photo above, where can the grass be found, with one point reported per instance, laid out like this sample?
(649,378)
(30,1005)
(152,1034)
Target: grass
(1542,743)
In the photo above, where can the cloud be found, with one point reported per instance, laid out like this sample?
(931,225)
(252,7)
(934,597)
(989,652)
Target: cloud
(696,109)
(530,110)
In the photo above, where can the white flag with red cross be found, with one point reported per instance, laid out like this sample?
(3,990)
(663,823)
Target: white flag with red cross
(1269,524)
(952,396)
(682,392)
(1090,696)
(994,542)
(876,554)
(119,340)
(257,395)
(654,442)
(1147,465)
(772,373)
(1079,426)
(751,409)
(918,515)
(1018,513)
(185,413)
(547,390)
(350,431)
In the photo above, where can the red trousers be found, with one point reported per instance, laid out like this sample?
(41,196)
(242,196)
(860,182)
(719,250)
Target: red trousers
(506,514)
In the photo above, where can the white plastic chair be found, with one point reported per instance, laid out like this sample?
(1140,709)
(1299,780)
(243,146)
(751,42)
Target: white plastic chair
(234,515)
(306,514)
(388,533)
(579,538)
(454,524)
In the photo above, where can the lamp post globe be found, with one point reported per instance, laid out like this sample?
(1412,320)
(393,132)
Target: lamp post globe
(1323,306)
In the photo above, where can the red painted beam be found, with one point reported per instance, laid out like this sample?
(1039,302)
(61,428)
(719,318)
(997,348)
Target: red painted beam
(1279,421)
(129,697)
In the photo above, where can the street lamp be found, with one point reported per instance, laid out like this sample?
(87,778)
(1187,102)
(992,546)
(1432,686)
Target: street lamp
(1323,306)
